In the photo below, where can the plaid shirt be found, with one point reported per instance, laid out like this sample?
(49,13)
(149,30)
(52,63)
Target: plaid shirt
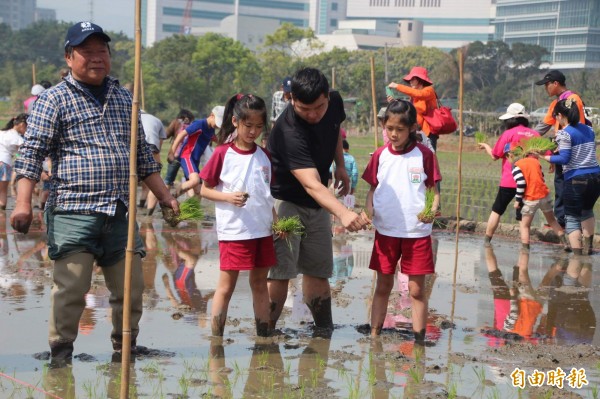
(278,105)
(88,144)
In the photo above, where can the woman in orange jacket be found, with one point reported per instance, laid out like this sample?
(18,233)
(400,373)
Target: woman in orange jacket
(422,95)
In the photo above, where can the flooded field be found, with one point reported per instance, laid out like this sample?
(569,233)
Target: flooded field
(511,319)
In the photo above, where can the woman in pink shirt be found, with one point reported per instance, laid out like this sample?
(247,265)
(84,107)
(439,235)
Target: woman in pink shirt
(516,123)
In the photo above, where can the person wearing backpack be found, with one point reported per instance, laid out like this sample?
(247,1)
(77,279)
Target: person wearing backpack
(555,84)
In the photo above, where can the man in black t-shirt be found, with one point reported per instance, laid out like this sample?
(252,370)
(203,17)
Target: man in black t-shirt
(305,140)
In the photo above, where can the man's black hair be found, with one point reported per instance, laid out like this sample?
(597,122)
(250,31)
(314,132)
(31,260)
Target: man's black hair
(308,84)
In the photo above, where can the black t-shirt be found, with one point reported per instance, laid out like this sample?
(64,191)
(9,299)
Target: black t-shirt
(295,144)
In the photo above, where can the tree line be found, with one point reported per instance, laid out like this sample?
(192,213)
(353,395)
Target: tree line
(196,73)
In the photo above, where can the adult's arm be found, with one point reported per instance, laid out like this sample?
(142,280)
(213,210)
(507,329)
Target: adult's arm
(542,128)
(425,94)
(156,184)
(22,215)
(310,180)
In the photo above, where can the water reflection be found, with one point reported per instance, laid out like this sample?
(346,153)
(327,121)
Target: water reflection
(571,318)
(181,257)
(519,305)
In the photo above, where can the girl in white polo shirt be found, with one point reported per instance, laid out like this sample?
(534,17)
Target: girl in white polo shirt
(399,174)
(238,177)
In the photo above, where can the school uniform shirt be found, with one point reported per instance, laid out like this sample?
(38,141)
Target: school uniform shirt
(529,177)
(231,169)
(507,141)
(10,140)
(401,179)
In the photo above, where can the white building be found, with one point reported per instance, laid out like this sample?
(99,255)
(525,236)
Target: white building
(163,18)
(447,24)
(250,31)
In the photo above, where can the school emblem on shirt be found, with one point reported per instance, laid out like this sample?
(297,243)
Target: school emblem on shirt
(265,174)
(415,175)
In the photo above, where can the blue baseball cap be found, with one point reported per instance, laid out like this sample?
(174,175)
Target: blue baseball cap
(287,84)
(79,32)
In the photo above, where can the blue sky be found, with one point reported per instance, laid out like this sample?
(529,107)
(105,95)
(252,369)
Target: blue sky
(113,15)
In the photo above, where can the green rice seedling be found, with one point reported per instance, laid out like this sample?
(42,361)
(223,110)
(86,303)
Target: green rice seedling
(427,215)
(415,374)
(289,226)
(189,209)
(480,137)
(595,392)
(537,145)
(480,373)
(452,390)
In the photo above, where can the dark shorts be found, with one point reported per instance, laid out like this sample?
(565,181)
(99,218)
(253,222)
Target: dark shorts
(311,253)
(503,199)
(103,236)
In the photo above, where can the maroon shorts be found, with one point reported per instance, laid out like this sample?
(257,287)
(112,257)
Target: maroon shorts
(247,254)
(415,255)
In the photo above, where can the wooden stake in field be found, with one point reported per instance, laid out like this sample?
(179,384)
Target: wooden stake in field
(373,96)
(135,109)
(333,78)
(33,73)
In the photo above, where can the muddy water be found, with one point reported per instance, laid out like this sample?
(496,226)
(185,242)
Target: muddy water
(506,311)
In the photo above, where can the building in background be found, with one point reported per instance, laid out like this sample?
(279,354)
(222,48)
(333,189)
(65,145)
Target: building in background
(17,14)
(163,18)
(447,24)
(568,29)
(44,14)
(250,31)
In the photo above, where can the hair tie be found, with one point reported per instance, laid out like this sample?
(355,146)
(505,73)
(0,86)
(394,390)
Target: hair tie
(569,102)
(239,96)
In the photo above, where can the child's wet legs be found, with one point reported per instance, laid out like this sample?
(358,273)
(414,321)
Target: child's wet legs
(381,296)
(227,282)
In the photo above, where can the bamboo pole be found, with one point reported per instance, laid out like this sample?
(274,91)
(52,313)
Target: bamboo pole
(33,73)
(333,78)
(461,63)
(143,96)
(129,253)
(374,99)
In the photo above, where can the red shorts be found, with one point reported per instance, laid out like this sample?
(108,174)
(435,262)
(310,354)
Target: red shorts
(247,254)
(415,255)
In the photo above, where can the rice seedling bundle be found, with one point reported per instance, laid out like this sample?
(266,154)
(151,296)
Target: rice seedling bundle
(537,145)
(289,226)
(427,214)
(189,209)
(480,137)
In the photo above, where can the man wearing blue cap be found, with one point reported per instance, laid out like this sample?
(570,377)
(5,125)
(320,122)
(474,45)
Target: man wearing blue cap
(281,98)
(83,124)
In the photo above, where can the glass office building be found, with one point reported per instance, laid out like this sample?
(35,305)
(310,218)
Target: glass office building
(568,29)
